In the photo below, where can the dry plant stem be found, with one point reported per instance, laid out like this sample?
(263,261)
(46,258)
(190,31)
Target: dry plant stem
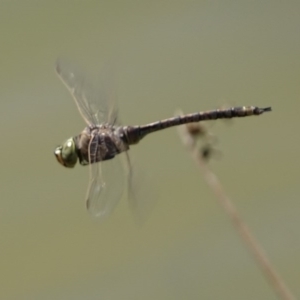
(260,256)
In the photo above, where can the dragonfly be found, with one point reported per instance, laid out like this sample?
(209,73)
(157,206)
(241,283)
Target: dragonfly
(104,138)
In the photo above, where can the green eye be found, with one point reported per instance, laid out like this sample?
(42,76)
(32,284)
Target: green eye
(66,154)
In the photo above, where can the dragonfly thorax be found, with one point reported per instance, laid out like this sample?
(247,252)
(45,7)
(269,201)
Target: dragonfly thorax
(101,142)
(66,154)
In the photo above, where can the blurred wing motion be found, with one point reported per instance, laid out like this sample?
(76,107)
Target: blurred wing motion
(140,193)
(94,104)
(105,188)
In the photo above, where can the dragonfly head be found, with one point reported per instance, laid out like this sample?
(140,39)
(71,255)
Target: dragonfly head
(66,154)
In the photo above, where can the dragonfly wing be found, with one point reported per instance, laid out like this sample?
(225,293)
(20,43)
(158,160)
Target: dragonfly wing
(94,104)
(141,195)
(105,188)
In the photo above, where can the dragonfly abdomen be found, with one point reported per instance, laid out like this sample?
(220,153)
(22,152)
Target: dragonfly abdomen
(228,113)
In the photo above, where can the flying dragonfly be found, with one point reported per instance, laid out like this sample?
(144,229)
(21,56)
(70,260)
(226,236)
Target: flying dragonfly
(103,138)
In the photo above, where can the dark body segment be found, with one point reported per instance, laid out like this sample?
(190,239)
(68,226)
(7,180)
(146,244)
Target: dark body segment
(135,133)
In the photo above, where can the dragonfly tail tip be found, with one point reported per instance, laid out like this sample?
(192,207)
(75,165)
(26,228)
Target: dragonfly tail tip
(267,109)
(262,110)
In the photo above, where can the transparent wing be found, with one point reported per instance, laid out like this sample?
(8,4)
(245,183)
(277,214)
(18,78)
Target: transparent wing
(105,188)
(141,195)
(96,105)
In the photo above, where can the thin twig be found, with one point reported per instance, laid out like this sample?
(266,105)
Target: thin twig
(251,243)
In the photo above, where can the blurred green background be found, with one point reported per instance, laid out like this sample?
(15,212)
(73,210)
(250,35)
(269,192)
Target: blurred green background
(193,55)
